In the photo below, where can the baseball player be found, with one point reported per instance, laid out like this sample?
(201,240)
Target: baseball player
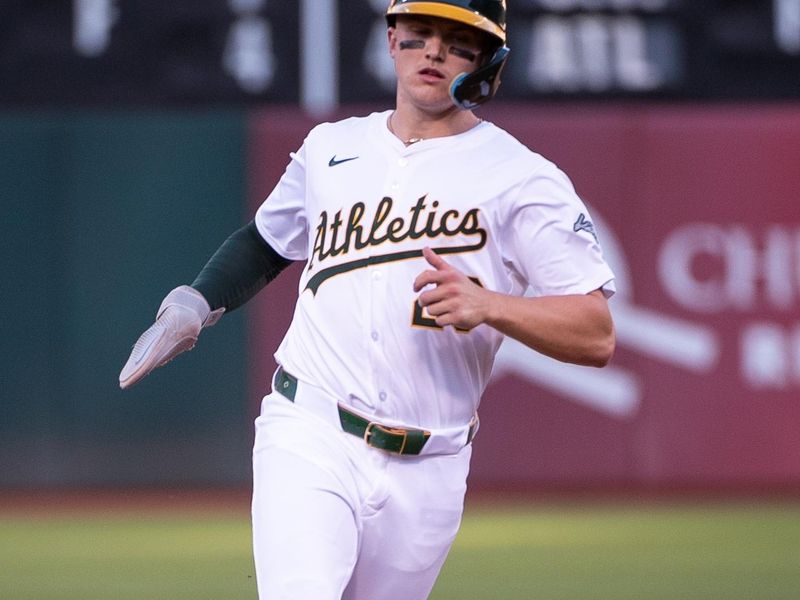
(421,228)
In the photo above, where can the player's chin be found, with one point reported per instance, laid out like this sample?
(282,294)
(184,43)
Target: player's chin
(432,85)
(433,98)
(418,86)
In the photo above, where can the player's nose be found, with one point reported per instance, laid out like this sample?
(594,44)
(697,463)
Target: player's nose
(435,48)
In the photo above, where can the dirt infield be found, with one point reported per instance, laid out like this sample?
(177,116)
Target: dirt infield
(56,502)
(41,502)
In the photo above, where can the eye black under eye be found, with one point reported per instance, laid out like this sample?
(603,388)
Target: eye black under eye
(463,53)
(412,44)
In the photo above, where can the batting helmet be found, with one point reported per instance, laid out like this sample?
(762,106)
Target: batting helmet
(467,90)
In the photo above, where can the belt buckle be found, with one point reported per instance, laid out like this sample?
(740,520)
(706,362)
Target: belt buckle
(368,432)
(388,430)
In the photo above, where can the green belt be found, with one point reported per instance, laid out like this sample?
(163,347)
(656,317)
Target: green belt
(398,440)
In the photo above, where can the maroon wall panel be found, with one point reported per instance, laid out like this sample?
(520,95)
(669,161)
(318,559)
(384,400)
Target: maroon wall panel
(273,135)
(698,210)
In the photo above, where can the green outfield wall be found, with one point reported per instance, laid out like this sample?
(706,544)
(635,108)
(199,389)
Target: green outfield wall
(105,213)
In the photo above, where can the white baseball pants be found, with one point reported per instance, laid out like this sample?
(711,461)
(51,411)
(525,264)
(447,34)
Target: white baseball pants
(334,519)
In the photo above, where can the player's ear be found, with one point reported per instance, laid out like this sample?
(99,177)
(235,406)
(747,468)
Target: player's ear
(391,34)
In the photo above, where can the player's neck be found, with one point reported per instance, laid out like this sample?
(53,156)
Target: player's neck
(413,126)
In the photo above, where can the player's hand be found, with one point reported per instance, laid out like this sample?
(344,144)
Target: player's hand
(181,316)
(456,300)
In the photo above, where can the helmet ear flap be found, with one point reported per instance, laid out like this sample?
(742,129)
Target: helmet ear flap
(469,90)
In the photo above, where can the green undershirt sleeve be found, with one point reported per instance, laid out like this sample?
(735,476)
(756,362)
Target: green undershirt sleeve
(239,269)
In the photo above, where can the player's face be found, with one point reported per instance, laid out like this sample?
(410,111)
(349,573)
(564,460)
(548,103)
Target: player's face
(428,53)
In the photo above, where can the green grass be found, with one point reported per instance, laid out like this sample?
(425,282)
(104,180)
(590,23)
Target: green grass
(708,552)
(130,557)
(727,551)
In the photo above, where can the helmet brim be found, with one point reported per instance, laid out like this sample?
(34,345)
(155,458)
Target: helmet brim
(454,13)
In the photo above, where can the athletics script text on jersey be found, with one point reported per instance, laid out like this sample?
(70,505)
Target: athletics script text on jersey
(337,235)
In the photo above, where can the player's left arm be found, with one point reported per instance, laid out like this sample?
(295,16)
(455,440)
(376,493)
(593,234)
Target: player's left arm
(573,328)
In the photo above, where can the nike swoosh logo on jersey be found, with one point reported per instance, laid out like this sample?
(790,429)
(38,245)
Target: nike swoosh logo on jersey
(333,162)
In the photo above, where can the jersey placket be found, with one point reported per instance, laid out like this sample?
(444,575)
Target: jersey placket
(377,332)
(397,175)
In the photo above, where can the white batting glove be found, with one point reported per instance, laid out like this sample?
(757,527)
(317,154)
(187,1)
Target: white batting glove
(181,316)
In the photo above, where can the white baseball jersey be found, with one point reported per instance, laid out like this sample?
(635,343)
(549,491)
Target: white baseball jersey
(359,206)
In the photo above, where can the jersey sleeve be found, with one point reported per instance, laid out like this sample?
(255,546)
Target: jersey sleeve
(551,238)
(281,219)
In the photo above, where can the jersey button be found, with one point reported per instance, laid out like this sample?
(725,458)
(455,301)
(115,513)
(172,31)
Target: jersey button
(375,336)
(382,396)
(376,275)
(403,162)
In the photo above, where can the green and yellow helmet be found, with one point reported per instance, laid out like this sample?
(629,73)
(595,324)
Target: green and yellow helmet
(486,15)
(467,90)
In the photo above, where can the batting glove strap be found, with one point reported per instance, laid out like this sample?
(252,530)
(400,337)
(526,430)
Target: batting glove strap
(189,298)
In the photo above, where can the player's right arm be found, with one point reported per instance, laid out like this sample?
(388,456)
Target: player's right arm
(242,266)
(246,262)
